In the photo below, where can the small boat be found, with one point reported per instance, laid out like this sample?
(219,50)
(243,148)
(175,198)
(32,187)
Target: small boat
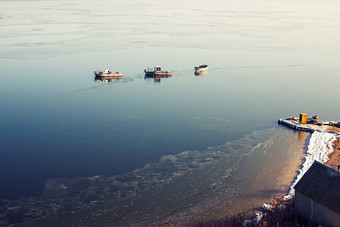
(201,68)
(157,72)
(108,73)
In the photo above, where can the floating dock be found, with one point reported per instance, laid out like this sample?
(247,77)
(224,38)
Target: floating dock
(310,124)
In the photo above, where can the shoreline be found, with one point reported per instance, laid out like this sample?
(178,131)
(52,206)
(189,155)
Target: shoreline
(324,145)
(319,148)
(295,157)
(327,152)
(334,157)
(281,149)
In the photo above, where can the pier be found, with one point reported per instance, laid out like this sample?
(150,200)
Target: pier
(310,124)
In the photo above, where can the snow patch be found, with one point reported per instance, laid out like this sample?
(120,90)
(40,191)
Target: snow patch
(320,145)
(258,217)
(266,206)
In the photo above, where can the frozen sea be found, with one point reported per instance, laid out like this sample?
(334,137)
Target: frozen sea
(185,149)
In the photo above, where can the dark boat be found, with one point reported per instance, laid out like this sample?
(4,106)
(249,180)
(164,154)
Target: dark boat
(157,72)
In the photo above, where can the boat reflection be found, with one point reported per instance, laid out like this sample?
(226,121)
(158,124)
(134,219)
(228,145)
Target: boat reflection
(156,79)
(105,79)
(200,73)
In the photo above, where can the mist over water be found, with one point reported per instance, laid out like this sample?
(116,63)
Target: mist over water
(59,127)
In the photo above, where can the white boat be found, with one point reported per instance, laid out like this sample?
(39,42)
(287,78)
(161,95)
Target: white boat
(200,73)
(201,68)
(108,73)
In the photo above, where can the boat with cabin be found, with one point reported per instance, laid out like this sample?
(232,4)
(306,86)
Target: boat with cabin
(157,72)
(108,73)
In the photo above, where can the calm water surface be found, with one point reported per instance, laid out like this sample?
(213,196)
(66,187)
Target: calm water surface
(58,123)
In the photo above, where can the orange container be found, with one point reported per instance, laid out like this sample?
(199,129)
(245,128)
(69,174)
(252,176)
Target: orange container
(303,118)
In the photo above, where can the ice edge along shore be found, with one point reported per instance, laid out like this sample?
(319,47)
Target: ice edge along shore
(320,146)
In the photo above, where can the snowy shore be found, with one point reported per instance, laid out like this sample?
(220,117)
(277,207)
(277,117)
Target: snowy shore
(320,145)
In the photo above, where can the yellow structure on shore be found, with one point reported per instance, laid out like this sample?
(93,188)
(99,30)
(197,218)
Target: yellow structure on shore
(303,118)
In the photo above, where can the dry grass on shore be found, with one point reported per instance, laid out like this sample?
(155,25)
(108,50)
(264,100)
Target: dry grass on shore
(334,157)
